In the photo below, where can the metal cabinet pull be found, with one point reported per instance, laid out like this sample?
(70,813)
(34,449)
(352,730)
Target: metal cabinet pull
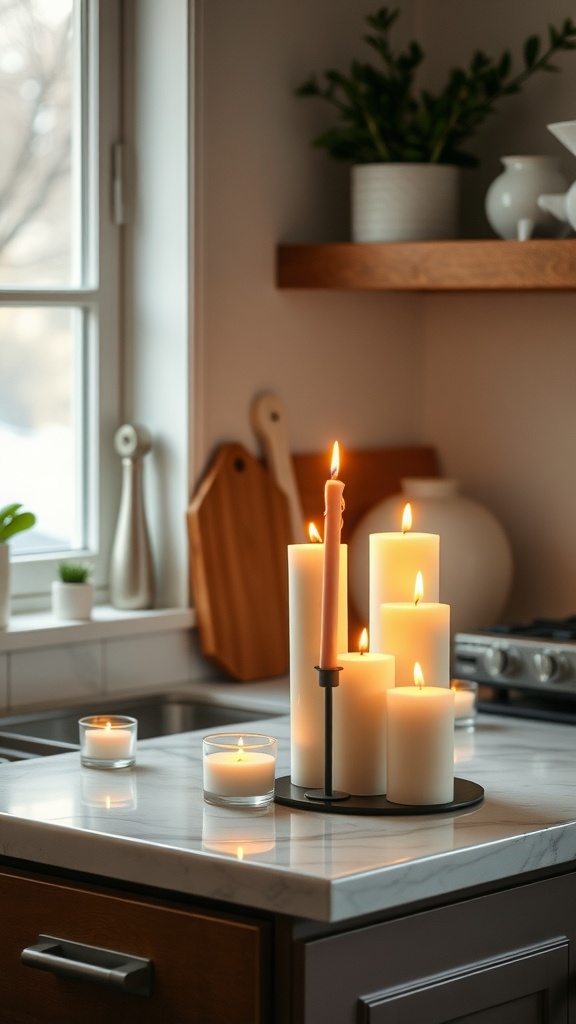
(67,959)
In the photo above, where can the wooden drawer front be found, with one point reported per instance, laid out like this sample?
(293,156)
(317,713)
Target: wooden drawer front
(207,967)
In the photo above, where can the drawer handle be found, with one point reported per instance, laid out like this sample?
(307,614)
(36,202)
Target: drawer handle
(131,974)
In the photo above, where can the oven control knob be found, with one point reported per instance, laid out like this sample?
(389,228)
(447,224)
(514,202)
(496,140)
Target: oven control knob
(548,666)
(499,661)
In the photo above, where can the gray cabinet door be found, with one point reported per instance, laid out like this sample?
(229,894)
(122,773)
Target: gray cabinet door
(501,958)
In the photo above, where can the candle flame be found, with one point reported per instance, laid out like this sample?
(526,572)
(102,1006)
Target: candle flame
(407,518)
(335,466)
(363,645)
(313,534)
(418,588)
(418,675)
(108,726)
(240,756)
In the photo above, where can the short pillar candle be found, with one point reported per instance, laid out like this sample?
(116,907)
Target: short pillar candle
(359,744)
(420,754)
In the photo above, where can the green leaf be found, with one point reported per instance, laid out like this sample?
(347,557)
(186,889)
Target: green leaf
(531,51)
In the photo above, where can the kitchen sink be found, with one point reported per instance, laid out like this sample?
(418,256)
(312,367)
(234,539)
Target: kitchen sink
(38,733)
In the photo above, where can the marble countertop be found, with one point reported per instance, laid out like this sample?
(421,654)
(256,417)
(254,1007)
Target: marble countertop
(149,825)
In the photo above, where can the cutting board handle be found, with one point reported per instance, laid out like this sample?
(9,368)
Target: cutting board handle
(269,422)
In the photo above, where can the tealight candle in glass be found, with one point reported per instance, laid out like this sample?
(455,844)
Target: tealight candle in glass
(239,769)
(108,741)
(465,695)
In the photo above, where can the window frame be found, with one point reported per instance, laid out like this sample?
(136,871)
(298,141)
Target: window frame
(99,297)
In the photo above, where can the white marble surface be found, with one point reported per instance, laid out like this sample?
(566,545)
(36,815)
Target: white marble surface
(150,825)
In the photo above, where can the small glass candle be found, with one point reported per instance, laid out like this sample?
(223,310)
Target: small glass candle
(239,769)
(108,741)
(465,695)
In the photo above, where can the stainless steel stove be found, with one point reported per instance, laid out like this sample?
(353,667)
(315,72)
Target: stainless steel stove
(528,670)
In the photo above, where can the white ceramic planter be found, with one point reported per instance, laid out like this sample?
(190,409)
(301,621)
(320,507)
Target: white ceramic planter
(404,202)
(4,585)
(72,601)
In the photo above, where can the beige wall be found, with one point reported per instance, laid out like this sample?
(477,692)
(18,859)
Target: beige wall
(487,378)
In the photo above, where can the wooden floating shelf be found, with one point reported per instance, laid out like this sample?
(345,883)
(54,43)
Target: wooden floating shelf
(486,265)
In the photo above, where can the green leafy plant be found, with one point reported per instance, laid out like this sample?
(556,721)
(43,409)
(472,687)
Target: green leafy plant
(12,521)
(383,118)
(74,572)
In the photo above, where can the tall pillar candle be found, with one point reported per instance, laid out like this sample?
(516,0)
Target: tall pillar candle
(394,560)
(359,734)
(330,576)
(420,745)
(417,631)
(305,566)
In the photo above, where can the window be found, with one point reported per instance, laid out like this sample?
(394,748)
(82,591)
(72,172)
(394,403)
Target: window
(59,278)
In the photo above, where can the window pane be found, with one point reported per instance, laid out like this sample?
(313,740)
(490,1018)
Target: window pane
(39,179)
(41,431)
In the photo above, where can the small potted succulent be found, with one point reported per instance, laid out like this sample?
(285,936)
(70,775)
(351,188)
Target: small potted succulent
(72,592)
(405,143)
(12,521)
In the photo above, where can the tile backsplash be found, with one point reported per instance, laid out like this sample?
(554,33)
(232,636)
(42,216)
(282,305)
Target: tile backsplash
(99,658)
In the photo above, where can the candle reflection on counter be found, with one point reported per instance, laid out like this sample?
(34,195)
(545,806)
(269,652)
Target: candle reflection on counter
(240,835)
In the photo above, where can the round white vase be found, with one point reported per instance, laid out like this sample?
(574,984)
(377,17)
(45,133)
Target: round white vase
(475,553)
(404,202)
(511,201)
(72,601)
(4,585)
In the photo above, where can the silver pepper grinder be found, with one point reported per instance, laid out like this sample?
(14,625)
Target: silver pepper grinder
(131,572)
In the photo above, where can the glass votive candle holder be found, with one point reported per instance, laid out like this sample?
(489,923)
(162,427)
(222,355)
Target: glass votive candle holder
(465,697)
(239,769)
(108,741)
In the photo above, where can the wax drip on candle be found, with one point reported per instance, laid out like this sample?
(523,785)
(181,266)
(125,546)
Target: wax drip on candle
(313,534)
(418,588)
(363,645)
(418,676)
(407,518)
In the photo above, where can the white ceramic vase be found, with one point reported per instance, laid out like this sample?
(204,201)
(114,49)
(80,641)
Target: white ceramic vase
(511,202)
(562,205)
(475,554)
(4,585)
(72,601)
(404,202)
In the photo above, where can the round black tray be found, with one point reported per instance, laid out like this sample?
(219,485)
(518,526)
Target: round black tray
(466,794)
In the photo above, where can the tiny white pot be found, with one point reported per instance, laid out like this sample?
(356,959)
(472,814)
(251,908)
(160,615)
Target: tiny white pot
(4,585)
(404,202)
(72,601)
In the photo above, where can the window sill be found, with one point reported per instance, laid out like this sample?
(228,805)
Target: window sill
(41,629)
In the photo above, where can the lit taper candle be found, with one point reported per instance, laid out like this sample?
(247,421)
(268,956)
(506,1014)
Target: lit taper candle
(333,507)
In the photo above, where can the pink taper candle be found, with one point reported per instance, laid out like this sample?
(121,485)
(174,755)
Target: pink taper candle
(330,578)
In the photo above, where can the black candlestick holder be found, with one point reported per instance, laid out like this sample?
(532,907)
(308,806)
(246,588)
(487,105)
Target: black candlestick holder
(466,793)
(328,680)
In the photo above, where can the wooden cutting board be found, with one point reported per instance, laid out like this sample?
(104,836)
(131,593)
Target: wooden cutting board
(238,530)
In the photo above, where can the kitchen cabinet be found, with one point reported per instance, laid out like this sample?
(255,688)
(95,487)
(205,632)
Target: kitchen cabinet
(502,958)
(486,265)
(207,967)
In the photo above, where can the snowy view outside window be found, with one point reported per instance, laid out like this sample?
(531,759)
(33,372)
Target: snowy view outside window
(41,245)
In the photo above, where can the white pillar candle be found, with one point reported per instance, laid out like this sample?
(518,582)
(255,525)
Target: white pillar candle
(394,560)
(359,723)
(305,564)
(419,631)
(420,758)
(331,575)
